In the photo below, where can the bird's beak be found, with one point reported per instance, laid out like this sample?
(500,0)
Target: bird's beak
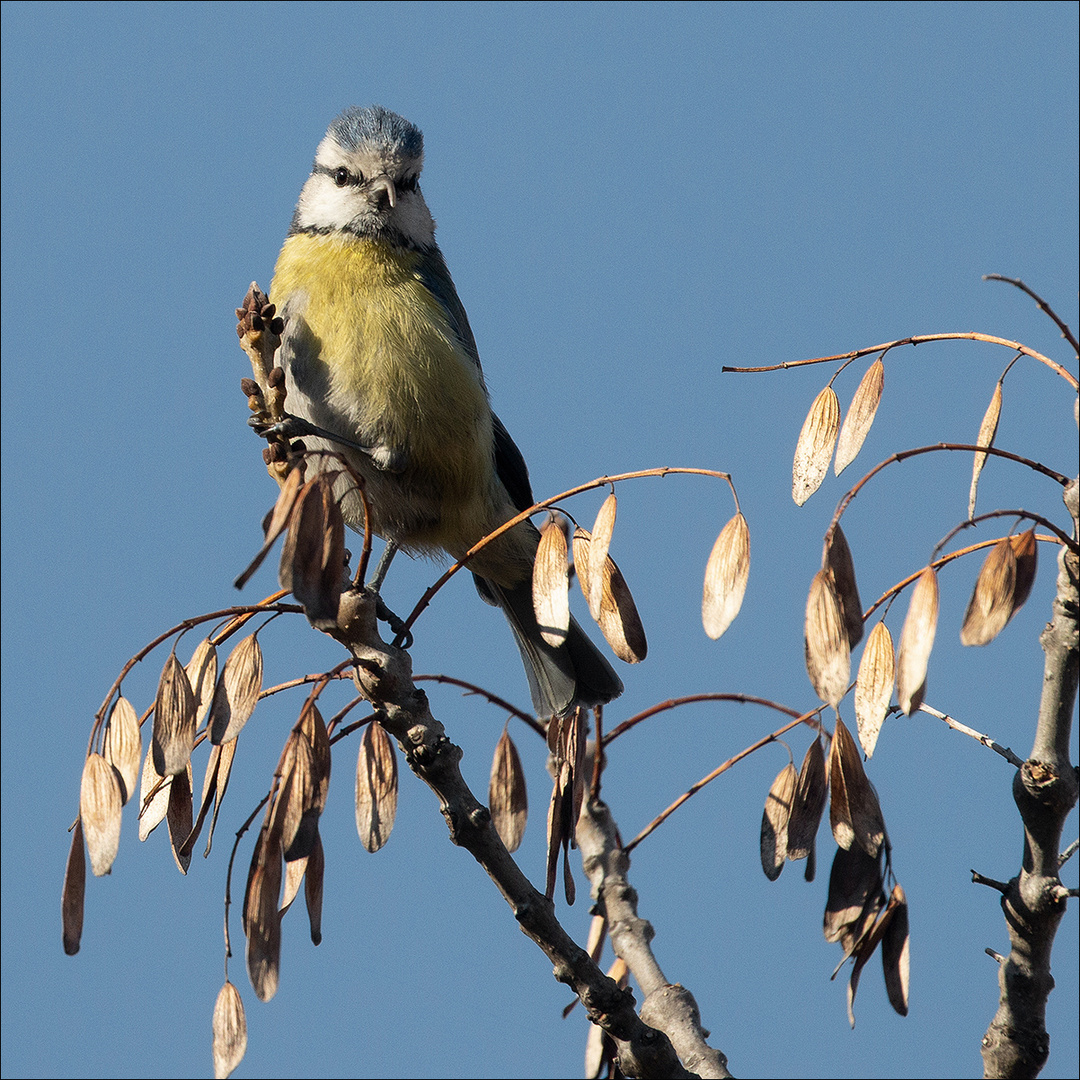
(384,183)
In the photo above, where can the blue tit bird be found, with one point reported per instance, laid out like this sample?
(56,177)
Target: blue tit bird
(377,350)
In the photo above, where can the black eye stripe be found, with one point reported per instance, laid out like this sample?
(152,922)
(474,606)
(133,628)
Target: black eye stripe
(342,177)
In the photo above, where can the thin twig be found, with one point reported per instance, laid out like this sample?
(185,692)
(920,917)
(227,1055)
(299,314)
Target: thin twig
(690,699)
(903,455)
(250,610)
(1038,519)
(1066,333)
(918,340)
(228,875)
(694,789)
(988,742)
(991,883)
(937,564)
(502,703)
(1068,853)
(600,481)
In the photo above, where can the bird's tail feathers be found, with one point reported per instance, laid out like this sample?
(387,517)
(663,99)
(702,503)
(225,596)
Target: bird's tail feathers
(573,673)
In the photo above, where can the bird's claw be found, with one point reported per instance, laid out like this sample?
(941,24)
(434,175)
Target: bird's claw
(403,637)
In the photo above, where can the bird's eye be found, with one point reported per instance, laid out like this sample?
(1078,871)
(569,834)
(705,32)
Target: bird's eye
(341,176)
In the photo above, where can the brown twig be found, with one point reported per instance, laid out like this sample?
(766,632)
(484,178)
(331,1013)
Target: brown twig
(694,789)
(249,610)
(1043,306)
(689,699)
(502,703)
(903,455)
(1023,515)
(938,563)
(917,340)
(986,740)
(600,481)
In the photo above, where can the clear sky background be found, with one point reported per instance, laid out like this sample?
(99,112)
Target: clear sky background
(629,196)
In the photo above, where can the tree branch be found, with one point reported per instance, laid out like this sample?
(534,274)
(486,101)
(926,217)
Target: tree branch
(1045,790)
(383,675)
(670,1008)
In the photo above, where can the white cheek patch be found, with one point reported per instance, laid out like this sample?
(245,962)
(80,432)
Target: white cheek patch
(323,205)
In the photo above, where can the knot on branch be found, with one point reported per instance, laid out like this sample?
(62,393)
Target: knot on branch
(1040,783)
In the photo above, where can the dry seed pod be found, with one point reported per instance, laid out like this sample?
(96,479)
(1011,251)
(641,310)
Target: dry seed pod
(1026,551)
(332,579)
(305,535)
(262,922)
(599,544)
(597,936)
(206,799)
(581,540)
(917,641)
(230,1031)
(179,818)
(215,786)
(863,950)
(313,889)
(726,575)
(123,745)
(873,686)
(551,584)
(860,416)
(619,620)
(295,870)
(202,674)
(152,813)
(895,953)
(836,558)
(854,885)
(595,1058)
(991,603)
(854,810)
(507,796)
(774,821)
(313,557)
(828,657)
(314,728)
(566,740)
(297,793)
(376,787)
(100,804)
(815,446)
(237,691)
(276,522)
(74,891)
(987,431)
(808,804)
(174,720)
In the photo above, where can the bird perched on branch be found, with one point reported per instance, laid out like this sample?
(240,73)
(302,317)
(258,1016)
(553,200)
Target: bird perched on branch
(377,350)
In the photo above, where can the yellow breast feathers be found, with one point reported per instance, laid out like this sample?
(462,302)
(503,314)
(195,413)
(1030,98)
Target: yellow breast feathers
(398,375)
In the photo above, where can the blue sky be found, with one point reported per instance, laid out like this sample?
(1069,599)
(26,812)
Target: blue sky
(628,197)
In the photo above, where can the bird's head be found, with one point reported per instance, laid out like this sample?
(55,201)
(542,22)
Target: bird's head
(365,180)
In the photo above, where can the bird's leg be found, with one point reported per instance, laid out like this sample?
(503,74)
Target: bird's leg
(402,636)
(381,570)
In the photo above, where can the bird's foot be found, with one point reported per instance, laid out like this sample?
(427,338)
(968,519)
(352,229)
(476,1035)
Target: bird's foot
(402,635)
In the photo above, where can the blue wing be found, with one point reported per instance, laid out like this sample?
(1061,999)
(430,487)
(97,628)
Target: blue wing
(509,464)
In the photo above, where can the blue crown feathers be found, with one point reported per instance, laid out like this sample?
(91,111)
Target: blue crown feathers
(357,128)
